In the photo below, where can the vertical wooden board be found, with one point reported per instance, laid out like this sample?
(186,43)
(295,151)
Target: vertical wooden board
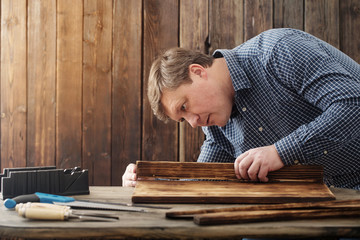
(97,90)
(350,28)
(126,103)
(193,35)
(322,20)
(160,141)
(226,24)
(41,83)
(0,87)
(13,83)
(258,17)
(69,83)
(289,14)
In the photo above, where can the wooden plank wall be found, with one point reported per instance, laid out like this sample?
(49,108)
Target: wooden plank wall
(74,72)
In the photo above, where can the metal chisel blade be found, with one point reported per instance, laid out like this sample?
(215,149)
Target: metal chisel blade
(99,206)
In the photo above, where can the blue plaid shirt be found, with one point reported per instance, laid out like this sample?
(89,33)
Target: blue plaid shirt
(299,93)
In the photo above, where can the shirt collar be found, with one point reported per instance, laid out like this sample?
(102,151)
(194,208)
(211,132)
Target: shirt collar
(238,76)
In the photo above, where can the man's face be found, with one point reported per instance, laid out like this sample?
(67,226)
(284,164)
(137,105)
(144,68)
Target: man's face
(201,103)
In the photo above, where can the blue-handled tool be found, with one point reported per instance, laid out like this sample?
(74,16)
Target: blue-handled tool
(36,197)
(70,202)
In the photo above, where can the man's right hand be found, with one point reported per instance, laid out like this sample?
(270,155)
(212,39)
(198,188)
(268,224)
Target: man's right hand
(129,178)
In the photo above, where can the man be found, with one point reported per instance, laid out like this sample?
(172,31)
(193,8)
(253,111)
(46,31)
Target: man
(281,98)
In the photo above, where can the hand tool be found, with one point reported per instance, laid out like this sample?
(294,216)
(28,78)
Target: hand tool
(68,201)
(49,179)
(46,211)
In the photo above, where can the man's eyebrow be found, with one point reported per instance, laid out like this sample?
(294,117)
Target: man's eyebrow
(177,109)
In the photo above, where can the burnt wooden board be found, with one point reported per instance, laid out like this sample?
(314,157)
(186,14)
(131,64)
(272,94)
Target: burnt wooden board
(228,192)
(222,171)
(289,184)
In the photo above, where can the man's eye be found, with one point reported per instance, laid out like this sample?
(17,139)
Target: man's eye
(183,107)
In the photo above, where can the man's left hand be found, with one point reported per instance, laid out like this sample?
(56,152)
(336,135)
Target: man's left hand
(257,162)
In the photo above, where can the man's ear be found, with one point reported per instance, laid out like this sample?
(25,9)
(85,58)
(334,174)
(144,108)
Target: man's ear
(198,70)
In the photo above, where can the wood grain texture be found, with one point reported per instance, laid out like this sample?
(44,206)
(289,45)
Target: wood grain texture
(272,215)
(226,24)
(222,171)
(289,14)
(13,83)
(97,90)
(69,83)
(159,140)
(153,224)
(335,204)
(228,192)
(258,17)
(322,20)
(126,102)
(41,83)
(290,184)
(97,76)
(190,140)
(349,28)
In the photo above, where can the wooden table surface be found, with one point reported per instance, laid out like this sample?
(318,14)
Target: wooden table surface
(153,224)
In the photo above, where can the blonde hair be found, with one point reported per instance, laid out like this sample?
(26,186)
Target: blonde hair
(169,71)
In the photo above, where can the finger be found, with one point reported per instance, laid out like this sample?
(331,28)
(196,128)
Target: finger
(130,177)
(236,168)
(263,174)
(129,184)
(131,168)
(244,167)
(254,170)
(237,163)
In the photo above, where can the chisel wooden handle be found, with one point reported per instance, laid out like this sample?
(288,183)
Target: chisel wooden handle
(270,215)
(44,213)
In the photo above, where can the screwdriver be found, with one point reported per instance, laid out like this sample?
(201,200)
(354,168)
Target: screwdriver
(46,211)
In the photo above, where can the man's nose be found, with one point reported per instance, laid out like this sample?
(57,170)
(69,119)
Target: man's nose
(192,119)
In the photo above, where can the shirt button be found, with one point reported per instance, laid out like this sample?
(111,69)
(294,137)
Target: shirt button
(261,129)
(325,152)
(244,109)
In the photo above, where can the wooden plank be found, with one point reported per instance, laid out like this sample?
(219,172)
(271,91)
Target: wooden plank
(126,103)
(289,14)
(153,225)
(159,140)
(193,35)
(97,90)
(296,183)
(272,215)
(336,204)
(69,83)
(13,83)
(228,192)
(223,171)
(350,25)
(258,17)
(226,22)
(41,83)
(322,20)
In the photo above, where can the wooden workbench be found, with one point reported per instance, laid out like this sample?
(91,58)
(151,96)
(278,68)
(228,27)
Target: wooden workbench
(154,225)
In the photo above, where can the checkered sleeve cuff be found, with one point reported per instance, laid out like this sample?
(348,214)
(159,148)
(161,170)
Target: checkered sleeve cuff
(290,150)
